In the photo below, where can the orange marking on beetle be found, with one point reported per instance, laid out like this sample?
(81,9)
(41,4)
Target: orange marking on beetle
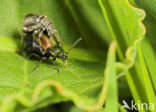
(45,42)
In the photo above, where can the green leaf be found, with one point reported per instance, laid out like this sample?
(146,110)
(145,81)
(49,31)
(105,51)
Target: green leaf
(150,62)
(83,82)
(122,20)
(149,6)
(112,94)
(80,82)
(148,45)
(146,78)
(23,89)
(147,54)
(125,24)
(122,109)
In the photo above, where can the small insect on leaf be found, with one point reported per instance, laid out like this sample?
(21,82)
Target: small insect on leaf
(39,38)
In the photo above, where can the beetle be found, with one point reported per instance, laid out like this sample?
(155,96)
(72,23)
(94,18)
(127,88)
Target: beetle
(41,38)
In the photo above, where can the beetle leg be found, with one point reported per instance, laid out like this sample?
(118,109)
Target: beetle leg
(57,37)
(31,54)
(40,47)
(53,61)
(43,58)
(51,42)
(37,31)
(26,29)
(40,36)
(49,33)
(33,44)
(40,33)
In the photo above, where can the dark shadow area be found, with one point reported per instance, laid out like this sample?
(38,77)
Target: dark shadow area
(82,26)
(91,36)
(16,37)
(58,107)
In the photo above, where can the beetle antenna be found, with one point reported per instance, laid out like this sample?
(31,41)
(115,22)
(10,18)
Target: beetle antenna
(77,41)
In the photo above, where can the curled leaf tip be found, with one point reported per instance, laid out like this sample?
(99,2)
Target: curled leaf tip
(113,46)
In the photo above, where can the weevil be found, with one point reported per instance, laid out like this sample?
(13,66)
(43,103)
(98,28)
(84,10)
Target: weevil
(41,38)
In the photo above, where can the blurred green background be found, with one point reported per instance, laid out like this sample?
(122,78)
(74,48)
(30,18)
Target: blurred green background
(84,86)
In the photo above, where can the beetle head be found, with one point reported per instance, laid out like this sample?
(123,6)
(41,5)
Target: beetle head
(63,55)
